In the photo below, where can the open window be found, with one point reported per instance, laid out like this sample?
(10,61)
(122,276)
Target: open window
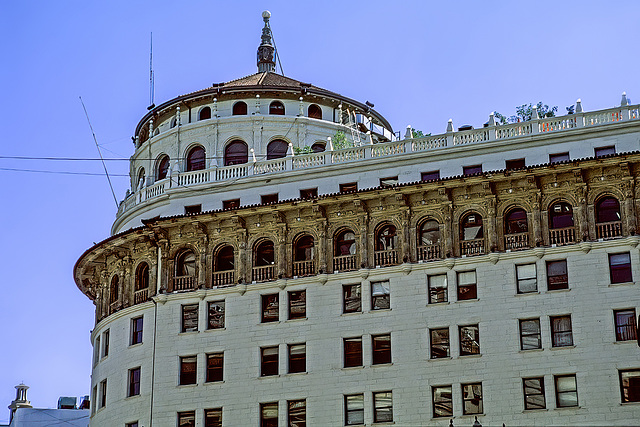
(263,261)
(471,234)
(303,256)
(185,271)
(386,245)
(141,289)
(561,226)
(608,220)
(516,229)
(223,266)
(429,245)
(344,250)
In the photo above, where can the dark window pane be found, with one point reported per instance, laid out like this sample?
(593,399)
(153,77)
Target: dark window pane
(381,349)
(297,304)
(515,164)
(236,153)
(605,151)
(277,108)
(277,149)
(163,168)
(267,199)
(269,414)
(187,419)
(215,313)
(190,318)
(297,413)
(297,358)
(439,343)
(608,210)
(630,385)
(558,157)
(311,193)
(533,389)
(352,352)
(437,288)
(270,308)
(349,187)
(196,159)
(136,330)
(239,109)
(352,299)
(134,382)
(230,204)
(626,328)
(467,288)
(430,176)
(620,268)
(213,417)
(314,112)
(205,113)
(188,370)
(269,364)
(557,277)
(561,333)
(471,170)
(560,216)
(215,366)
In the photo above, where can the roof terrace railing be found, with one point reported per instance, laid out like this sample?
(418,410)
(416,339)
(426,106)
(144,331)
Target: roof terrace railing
(451,138)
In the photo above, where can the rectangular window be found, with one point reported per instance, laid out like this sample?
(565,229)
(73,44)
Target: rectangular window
(467,288)
(215,367)
(625,321)
(297,358)
(133,424)
(471,170)
(437,288)
(382,407)
(215,315)
(105,343)
(94,399)
(297,304)
(270,308)
(558,157)
(389,182)
(533,390)
(350,187)
(297,413)
(620,268)
(352,352)
(134,382)
(469,340)
(267,199)
(136,330)
(430,176)
(103,394)
(526,277)
(472,399)
(566,391)
(230,204)
(213,417)
(309,193)
(514,164)
(557,277)
(530,338)
(96,350)
(353,409)
(442,401)
(381,349)
(187,419)
(605,151)
(630,386)
(561,334)
(189,318)
(380,297)
(352,301)
(188,370)
(192,210)
(439,343)
(269,361)
(269,414)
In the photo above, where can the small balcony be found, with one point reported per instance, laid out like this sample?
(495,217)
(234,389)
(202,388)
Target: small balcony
(562,236)
(264,273)
(141,296)
(609,230)
(304,268)
(429,252)
(516,241)
(344,263)
(472,247)
(223,278)
(385,258)
(184,283)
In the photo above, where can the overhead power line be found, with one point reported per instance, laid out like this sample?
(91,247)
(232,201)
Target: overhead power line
(59,172)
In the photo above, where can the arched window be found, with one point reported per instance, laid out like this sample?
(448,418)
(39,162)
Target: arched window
(608,220)
(141,178)
(303,248)
(276,108)
(314,112)
(471,234)
(195,159)
(385,245)
(156,132)
(205,114)
(223,260)
(516,229)
(515,221)
(239,109)
(236,153)
(142,276)
(560,215)
(186,264)
(173,123)
(318,147)
(163,168)
(263,253)
(277,149)
(429,240)
(114,290)
(344,250)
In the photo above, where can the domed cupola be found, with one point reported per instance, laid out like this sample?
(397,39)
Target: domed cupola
(266,57)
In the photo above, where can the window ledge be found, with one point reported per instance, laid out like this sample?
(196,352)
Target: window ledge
(531,350)
(352,313)
(472,415)
(351,368)
(381,364)
(188,332)
(464,356)
(562,347)
(262,377)
(526,411)
(435,359)
(297,373)
(553,291)
(629,403)
(383,423)
(138,344)
(621,284)
(297,319)
(524,294)
(214,382)
(438,303)
(564,408)
(274,322)
(467,300)
(132,397)
(187,385)
(377,310)
(625,342)
(214,329)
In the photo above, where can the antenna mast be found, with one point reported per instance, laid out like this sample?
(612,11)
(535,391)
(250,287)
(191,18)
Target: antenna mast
(99,152)
(151,86)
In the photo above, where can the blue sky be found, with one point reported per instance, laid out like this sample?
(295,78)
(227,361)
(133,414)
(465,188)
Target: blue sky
(420,62)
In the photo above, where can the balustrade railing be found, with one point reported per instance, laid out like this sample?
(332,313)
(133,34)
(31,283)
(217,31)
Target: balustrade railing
(347,155)
(513,130)
(344,263)
(184,283)
(516,241)
(609,230)
(140,296)
(193,177)
(554,124)
(388,149)
(304,268)
(429,143)
(264,273)
(429,252)
(223,278)
(231,172)
(562,236)
(308,160)
(472,247)
(470,136)
(270,166)
(384,258)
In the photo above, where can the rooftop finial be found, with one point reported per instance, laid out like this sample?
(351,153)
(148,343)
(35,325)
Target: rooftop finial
(266,60)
